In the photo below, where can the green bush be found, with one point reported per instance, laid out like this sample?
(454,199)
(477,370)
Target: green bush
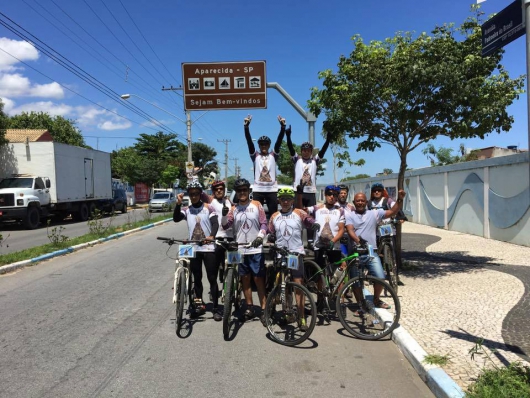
(510,382)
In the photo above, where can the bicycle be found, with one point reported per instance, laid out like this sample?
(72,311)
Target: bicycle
(290,310)
(354,299)
(183,283)
(386,250)
(232,287)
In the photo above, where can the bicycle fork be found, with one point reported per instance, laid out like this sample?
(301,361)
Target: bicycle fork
(178,274)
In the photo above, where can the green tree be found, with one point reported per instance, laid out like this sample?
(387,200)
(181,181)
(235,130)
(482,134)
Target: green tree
(406,91)
(169,175)
(3,124)
(61,129)
(443,156)
(359,176)
(125,164)
(160,145)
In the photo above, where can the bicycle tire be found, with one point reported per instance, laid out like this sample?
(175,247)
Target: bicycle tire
(313,275)
(390,266)
(283,321)
(229,298)
(181,294)
(366,321)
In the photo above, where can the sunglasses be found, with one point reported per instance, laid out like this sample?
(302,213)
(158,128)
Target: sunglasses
(332,194)
(285,198)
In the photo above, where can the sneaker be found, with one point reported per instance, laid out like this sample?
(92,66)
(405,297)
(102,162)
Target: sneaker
(217,315)
(303,325)
(249,314)
(199,307)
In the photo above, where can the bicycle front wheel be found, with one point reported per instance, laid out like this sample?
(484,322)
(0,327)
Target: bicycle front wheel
(363,315)
(181,294)
(313,277)
(290,319)
(390,266)
(229,299)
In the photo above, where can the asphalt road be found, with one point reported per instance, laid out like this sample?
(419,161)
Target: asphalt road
(17,238)
(100,323)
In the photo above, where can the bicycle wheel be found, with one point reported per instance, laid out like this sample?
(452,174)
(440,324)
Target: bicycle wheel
(366,320)
(390,266)
(313,277)
(229,298)
(181,295)
(290,322)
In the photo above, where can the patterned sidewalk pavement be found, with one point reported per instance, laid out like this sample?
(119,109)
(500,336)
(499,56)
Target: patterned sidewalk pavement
(459,288)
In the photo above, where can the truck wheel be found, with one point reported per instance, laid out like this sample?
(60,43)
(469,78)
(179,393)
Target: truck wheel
(124,209)
(83,212)
(32,218)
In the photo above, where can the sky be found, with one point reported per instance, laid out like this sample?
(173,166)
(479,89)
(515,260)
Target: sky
(137,47)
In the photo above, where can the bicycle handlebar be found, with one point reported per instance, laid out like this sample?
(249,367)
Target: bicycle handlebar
(231,245)
(172,241)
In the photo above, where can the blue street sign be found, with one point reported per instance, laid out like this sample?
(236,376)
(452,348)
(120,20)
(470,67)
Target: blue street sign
(503,28)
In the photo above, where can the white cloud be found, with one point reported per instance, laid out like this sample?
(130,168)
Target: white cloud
(8,105)
(20,49)
(111,125)
(15,85)
(42,106)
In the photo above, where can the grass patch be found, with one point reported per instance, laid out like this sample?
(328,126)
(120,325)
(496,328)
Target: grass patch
(510,382)
(58,244)
(435,359)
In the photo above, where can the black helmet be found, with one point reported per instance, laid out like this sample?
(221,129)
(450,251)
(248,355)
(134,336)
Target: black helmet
(240,183)
(306,145)
(264,139)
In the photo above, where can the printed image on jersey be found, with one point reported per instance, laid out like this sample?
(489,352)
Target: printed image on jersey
(285,230)
(198,233)
(265,175)
(325,233)
(306,176)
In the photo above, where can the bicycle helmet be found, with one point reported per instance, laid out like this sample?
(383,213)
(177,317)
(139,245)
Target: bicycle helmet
(377,185)
(240,183)
(264,140)
(218,183)
(286,192)
(194,184)
(344,187)
(306,145)
(333,188)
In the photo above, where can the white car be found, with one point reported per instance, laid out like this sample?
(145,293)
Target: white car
(162,201)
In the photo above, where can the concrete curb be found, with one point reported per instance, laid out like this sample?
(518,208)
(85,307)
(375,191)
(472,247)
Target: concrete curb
(440,383)
(21,264)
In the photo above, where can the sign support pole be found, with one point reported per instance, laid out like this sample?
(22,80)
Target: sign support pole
(527,28)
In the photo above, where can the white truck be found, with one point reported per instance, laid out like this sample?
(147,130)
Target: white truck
(44,179)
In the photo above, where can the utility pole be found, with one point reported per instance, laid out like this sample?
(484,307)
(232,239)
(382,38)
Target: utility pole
(235,167)
(226,157)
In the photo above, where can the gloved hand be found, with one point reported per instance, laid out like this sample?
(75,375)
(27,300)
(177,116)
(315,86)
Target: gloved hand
(257,242)
(225,210)
(271,238)
(315,227)
(331,245)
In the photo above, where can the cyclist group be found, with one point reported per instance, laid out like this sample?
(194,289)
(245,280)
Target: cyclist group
(336,224)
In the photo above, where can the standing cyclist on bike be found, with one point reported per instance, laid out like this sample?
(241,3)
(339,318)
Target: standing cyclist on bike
(286,226)
(265,186)
(343,202)
(362,223)
(249,223)
(222,205)
(202,224)
(305,170)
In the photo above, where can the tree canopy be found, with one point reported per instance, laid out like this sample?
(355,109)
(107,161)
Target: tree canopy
(406,91)
(3,124)
(61,129)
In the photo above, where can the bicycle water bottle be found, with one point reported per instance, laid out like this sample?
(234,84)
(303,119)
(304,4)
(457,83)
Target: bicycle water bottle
(337,275)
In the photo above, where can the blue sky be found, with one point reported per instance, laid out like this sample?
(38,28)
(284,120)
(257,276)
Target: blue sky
(296,39)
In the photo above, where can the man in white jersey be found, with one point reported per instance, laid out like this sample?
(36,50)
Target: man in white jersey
(265,186)
(286,226)
(202,225)
(249,223)
(362,223)
(222,205)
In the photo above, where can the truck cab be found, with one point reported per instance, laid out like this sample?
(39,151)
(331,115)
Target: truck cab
(22,197)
